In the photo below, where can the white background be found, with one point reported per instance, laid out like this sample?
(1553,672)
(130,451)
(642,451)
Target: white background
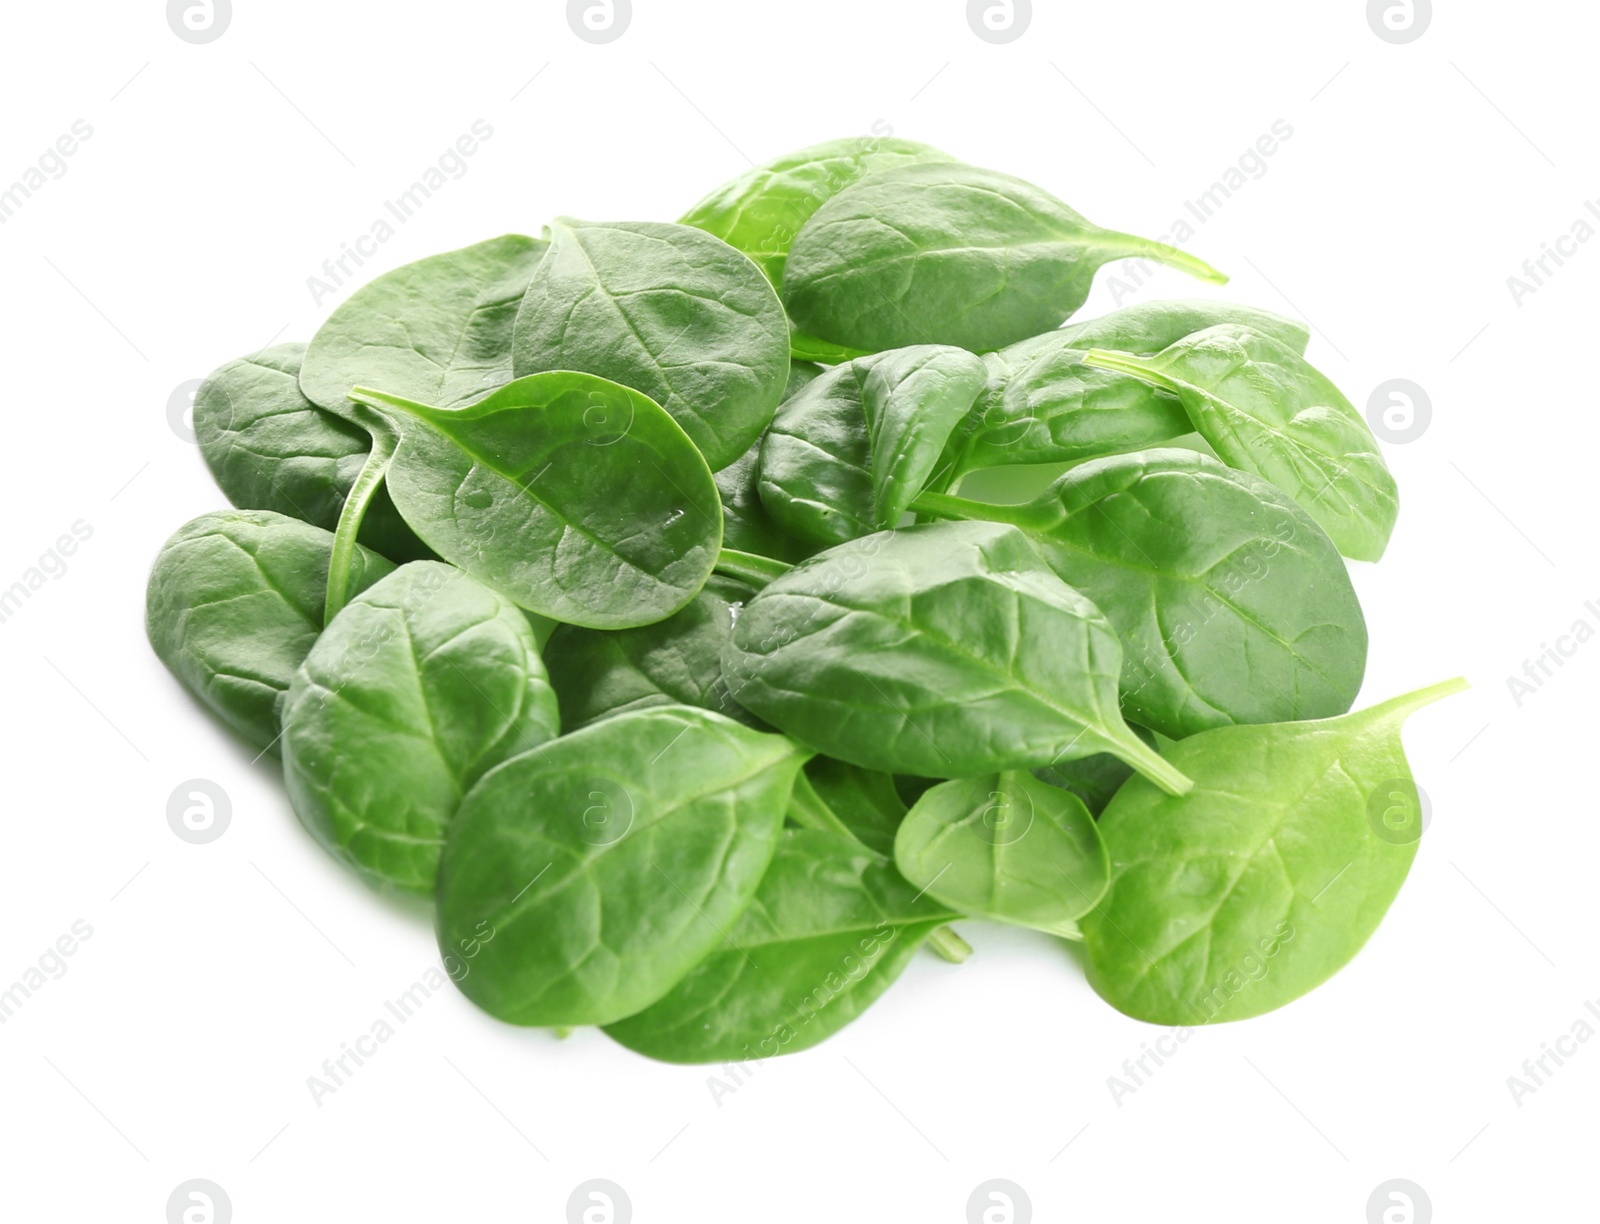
(218,978)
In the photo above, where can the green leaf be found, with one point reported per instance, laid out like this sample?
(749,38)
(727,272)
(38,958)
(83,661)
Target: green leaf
(592,875)
(1094,779)
(579,499)
(950,254)
(1006,846)
(416,688)
(1265,409)
(1266,878)
(864,800)
(746,525)
(1042,404)
(1231,604)
(942,650)
(830,929)
(601,672)
(234,603)
(846,455)
(762,210)
(437,331)
(270,448)
(669,311)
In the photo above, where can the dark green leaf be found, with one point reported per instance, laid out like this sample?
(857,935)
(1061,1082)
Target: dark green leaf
(1231,604)
(437,331)
(830,929)
(669,311)
(942,650)
(590,876)
(847,454)
(578,498)
(762,210)
(233,605)
(943,253)
(416,688)
(865,801)
(678,661)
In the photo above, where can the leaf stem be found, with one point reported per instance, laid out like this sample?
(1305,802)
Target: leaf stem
(750,568)
(947,945)
(1127,363)
(1153,765)
(1131,246)
(351,514)
(1409,703)
(947,506)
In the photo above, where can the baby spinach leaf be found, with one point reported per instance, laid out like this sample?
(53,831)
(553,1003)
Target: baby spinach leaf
(1042,404)
(829,930)
(942,650)
(1006,846)
(1267,877)
(418,686)
(610,863)
(746,524)
(678,661)
(579,499)
(233,605)
(1150,327)
(762,210)
(270,448)
(846,455)
(865,801)
(1267,410)
(943,253)
(437,330)
(669,311)
(1231,604)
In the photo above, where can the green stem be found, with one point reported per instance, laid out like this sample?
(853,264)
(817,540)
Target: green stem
(1131,246)
(810,811)
(382,399)
(947,506)
(1152,765)
(748,567)
(1127,363)
(1409,703)
(351,514)
(947,945)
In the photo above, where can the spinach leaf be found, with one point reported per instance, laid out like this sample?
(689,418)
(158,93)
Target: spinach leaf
(1267,410)
(1006,846)
(234,603)
(1231,604)
(610,863)
(950,254)
(270,448)
(943,650)
(437,330)
(865,801)
(1042,404)
(421,684)
(669,311)
(762,210)
(579,499)
(830,929)
(1267,877)
(678,661)
(847,454)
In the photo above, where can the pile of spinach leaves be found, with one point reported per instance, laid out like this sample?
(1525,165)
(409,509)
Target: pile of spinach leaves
(616,589)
